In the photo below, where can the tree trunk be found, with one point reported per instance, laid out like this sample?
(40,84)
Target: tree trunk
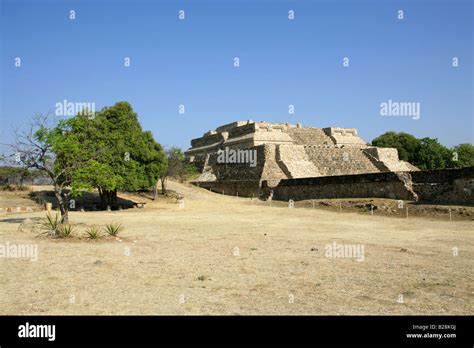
(63,205)
(114,198)
(101,195)
(163,185)
(64,216)
(106,200)
(109,199)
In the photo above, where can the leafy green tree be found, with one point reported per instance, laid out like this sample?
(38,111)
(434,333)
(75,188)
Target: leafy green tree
(463,156)
(406,144)
(124,157)
(108,151)
(52,150)
(432,155)
(95,175)
(190,171)
(177,167)
(426,153)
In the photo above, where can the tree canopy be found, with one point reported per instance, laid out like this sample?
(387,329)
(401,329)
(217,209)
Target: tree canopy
(406,144)
(427,153)
(463,155)
(122,155)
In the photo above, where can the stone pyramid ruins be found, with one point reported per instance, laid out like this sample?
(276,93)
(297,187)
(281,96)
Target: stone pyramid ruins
(262,151)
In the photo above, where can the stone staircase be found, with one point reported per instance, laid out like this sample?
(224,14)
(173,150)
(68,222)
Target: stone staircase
(294,161)
(340,160)
(309,136)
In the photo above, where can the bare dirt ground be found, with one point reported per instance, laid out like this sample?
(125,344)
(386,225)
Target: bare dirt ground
(229,255)
(16,199)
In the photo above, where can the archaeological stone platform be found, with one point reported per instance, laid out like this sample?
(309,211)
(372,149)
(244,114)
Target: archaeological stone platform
(296,162)
(286,151)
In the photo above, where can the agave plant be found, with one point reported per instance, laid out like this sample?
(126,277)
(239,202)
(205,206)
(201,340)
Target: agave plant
(93,233)
(52,223)
(113,229)
(66,231)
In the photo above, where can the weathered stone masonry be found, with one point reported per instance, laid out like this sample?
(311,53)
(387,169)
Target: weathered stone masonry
(309,163)
(446,186)
(286,151)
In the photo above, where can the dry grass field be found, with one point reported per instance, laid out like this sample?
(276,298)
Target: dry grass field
(228,255)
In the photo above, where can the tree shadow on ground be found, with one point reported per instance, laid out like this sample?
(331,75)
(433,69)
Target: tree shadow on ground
(21,220)
(88,201)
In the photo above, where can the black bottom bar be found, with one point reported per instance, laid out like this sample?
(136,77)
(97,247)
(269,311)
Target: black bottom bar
(192,330)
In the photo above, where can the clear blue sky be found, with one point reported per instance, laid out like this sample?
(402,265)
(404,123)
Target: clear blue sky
(283,62)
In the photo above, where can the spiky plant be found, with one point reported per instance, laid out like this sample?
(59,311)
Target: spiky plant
(52,223)
(93,233)
(113,229)
(66,231)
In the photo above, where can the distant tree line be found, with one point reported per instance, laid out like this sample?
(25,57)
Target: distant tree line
(427,153)
(18,173)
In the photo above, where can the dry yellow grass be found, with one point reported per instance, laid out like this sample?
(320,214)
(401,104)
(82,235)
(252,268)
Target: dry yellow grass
(227,255)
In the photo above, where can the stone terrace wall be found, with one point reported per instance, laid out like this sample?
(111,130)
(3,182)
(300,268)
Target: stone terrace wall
(450,186)
(238,171)
(232,125)
(445,186)
(207,140)
(233,188)
(242,130)
(345,136)
(386,159)
(382,185)
(272,136)
(309,136)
